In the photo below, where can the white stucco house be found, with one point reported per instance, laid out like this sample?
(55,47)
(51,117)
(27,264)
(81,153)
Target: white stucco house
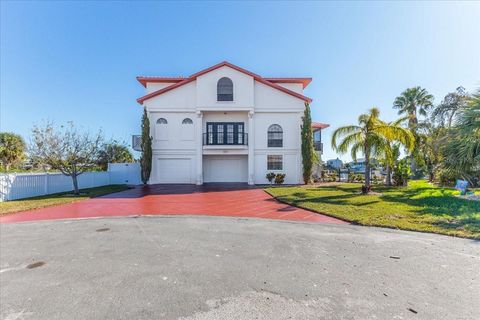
(224,124)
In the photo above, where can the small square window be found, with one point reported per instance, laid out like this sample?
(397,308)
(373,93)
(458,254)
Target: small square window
(274,162)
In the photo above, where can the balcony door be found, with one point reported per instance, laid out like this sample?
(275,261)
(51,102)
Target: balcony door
(225,133)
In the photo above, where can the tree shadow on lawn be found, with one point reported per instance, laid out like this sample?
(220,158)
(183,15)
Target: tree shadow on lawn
(445,210)
(425,200)
(342,199)
(448,211)
(348,188)
(438,203)
(469,224)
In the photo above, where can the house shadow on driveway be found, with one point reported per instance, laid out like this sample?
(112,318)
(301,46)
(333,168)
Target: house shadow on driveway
(169,189)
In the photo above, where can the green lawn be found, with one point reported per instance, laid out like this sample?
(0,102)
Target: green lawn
(420,206)
(57,198)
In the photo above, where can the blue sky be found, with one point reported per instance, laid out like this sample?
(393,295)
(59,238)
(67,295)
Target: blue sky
(77,61)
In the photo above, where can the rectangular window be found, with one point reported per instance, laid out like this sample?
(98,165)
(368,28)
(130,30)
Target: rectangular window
(230,134)
(225,97)
(275,139)
(240,134)
(210,134)
(274,162)
(220,134)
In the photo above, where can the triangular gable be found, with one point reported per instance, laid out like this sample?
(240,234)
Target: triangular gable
(182,81)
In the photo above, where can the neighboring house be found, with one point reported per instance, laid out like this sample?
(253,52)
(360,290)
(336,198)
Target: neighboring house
(317,142)
(358,167)
(335,163)
(225,124)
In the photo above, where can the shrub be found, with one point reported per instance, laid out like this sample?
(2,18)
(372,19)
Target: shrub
(334,176)
(351,177)
(270,176)
(280,178)
(366,189)
(446,177)
(358,177)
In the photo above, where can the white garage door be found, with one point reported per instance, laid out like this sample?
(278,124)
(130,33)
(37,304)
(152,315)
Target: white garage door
(225,169)
(173,171)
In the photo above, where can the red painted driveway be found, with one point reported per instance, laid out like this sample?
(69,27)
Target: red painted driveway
(232,200)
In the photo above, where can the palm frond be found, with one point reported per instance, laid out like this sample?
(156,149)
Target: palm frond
(348,141)
(342,131)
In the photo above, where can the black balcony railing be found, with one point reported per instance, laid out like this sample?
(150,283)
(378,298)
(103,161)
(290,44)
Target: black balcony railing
(229,139)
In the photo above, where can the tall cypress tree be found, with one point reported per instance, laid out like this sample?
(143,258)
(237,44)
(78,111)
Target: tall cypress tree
(146,158)
(308,150)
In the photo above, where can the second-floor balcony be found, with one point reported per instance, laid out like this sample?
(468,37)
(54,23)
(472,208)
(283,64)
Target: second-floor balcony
(225,138)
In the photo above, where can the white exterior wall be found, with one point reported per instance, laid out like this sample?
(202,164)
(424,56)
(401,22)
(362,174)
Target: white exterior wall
(179,146)
(243,97)
(173,141)
(182,98)
(225,116)
(155,86)
(290,123)
(271,99)
(295,87)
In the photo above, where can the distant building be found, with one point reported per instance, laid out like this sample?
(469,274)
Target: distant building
(335,163)
(358,167)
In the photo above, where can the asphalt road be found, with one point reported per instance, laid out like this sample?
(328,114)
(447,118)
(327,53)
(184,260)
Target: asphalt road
(227,268)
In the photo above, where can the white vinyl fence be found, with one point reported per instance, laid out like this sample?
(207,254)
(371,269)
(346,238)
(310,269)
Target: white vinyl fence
(24,185)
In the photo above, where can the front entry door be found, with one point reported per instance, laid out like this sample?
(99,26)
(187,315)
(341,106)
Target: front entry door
(225,133)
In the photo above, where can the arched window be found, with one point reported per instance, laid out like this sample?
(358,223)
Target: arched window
(225,89)
(275,136)
(187,133)
(161,129)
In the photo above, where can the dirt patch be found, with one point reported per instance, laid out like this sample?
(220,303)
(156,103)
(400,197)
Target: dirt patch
(102,229)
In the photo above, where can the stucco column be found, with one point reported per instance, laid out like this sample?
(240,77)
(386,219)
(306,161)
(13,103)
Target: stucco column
(251,148)
(199,147)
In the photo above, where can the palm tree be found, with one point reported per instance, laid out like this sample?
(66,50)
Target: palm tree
(412,103)
(431,142)
(370,137)
(392,151)
(462,152)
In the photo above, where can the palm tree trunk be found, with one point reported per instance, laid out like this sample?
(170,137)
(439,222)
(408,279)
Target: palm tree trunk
(388,178)
(412,164)
(367,173)
(367,168)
